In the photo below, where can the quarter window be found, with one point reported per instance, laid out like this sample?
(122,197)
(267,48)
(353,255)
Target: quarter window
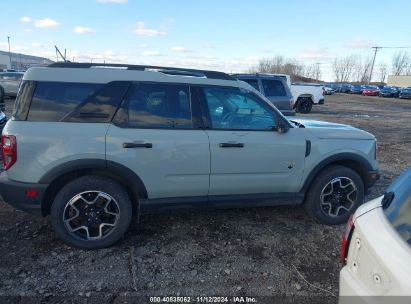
(253,83)
(52,101)
(231,108)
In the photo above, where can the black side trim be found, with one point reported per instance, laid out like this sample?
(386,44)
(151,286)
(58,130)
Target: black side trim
(332,159)
(119,171)
(13,193)
(219,202)
(307,148)
(254,200)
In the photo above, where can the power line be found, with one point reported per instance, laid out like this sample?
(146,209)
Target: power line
(376,49)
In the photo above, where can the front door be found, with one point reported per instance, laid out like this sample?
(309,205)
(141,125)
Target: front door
(248,155)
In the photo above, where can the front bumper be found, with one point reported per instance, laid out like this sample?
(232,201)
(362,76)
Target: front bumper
(14,193)
(321,101)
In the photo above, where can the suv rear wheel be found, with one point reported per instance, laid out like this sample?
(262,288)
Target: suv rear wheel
(304,105)
(334,195)
(91,212)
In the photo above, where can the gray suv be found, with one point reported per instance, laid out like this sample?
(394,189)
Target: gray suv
(94,145)
(275,88)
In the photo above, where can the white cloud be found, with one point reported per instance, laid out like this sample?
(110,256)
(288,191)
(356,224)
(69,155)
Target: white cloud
(181,49)
(358,43)
(83,30)
(141,30)
(151,53)
(36,45)
(112,1)
(46,22)
(25,19)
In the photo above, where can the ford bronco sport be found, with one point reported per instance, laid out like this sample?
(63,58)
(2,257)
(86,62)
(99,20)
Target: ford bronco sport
(94,145)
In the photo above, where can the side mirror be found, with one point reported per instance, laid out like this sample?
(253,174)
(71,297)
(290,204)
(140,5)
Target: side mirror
(282,128)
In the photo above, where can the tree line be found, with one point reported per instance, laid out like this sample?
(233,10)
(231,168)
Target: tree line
(351,68)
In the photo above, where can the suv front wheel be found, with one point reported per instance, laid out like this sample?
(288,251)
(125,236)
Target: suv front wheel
(91,212)
(334,195)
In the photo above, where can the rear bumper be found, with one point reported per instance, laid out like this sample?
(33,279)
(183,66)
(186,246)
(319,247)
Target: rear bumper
(14,193)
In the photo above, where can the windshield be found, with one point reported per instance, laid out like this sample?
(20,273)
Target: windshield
(398,212)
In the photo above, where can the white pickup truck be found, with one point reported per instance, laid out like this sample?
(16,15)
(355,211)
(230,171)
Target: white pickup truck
(305,94)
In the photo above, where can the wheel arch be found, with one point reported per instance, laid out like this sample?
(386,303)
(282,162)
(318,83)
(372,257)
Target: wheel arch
(310,96)
(62,174)
(350,160)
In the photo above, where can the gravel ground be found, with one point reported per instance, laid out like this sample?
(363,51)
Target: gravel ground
(255,252)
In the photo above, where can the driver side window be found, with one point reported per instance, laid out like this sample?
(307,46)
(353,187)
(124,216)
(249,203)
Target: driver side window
(232,109)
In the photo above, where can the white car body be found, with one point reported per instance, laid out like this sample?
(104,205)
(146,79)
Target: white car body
(312,91)
(378,262)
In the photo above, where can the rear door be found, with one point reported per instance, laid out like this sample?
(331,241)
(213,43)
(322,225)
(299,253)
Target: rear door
(155,133)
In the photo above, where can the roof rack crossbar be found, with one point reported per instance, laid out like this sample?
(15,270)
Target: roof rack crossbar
(165,70)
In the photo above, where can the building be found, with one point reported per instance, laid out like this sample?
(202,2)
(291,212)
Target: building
(21,62)
(399,80)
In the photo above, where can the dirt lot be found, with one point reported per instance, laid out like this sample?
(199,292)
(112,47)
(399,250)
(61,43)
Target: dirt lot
(254,252)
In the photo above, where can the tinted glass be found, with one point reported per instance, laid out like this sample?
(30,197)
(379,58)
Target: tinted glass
(22,103)
(399,210)
(253,83)
(273,87)
(158,106)
(101,106)
(52,101)
(231,108)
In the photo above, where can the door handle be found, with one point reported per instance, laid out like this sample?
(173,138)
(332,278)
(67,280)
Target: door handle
(137,145)
(231,145)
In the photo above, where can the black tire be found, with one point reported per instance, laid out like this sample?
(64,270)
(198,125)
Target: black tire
(322,211)
(112,224)
(304,105)
(1,94)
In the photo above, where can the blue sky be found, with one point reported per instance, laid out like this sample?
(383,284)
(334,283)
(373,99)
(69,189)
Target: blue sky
(225,35)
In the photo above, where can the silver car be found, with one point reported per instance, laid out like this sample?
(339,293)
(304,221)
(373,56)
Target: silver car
(10,82)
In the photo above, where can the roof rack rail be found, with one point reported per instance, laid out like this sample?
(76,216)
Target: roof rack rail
(165,70)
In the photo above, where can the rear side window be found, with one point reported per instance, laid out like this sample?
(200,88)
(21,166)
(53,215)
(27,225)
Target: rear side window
(52,101)
(253,83)
(273,87)
(165,106)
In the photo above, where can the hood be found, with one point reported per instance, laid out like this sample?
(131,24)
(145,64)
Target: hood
(331,130)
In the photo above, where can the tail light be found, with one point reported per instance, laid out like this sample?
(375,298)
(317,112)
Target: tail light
(346,239)
(8,150)
(323,91)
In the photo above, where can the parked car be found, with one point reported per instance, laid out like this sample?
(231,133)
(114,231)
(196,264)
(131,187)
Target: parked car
(328,90)
(306,95)
(376,251)
(356,89)
(405,93)
(10,82)
(389,91)
(345,88)
(370,90)
(3,121)
(273,87)
(161,138)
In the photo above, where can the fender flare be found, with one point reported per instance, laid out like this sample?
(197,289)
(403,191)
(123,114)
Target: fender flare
(127,177)
(356,160)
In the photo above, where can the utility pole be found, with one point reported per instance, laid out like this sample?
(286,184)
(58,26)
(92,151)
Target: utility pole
(376,49)
(8,41)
